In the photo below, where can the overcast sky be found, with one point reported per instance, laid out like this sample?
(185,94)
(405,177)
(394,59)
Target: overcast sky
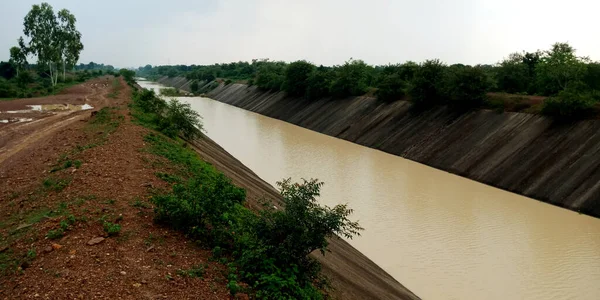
(133,33)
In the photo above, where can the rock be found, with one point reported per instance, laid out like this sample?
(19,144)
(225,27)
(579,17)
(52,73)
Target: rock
(23,226)
(123,273)
(48,249)
(96,240)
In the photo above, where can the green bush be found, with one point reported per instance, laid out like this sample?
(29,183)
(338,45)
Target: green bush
(427,85)
(180,118)
(319,83)
(351,79)
(466,87)
(570,104)
(270,76)
(391,87)
(297,77)
(269,249)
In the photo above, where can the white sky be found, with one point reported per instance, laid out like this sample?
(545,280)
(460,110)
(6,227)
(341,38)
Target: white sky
(133,33)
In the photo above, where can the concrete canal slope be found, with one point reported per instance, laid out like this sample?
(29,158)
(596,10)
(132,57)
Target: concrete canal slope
(523,153)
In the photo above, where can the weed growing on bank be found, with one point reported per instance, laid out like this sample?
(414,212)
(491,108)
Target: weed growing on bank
(267,250)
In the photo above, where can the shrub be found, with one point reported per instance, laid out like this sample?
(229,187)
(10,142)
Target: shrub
(296,77)
(570,104)
(180,118)
(427,87)
(199,205)
(391,87)
(466,87)
(228,82)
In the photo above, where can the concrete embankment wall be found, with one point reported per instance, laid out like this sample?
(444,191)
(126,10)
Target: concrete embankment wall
(523,153)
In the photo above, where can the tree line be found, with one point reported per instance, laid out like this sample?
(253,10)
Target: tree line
(571,83)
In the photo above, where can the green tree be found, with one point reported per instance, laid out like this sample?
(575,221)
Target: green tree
(319,83)
(560,67)
(70,38)
(391,87)
(427,86)
(296,77)
(512,74)
(18,58)
(351,79)
(41,26)
(270,76)
(466,87)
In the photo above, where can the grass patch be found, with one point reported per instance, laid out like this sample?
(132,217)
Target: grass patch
(111,228)
(138,203)
(116,89)
(194,272)
(55,184)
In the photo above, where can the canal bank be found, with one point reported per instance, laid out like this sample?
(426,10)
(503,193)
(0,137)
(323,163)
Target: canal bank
(441,235)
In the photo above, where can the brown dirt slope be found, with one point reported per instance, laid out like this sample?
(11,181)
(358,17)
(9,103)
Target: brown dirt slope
(67,177)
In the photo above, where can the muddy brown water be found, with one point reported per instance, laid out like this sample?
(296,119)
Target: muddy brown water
(440,235)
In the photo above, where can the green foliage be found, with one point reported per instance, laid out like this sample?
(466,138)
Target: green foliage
(573,103)
(128,75)
(297,77)
(270,76)
(56,42)
(169,92)
(194,87)
(391,83)
(55,234)
(351,79)
(111,229)
(427,86)
(7,70)
(194,272)
(558,68)
(269,250)
(173,118)
(180,118)
(466,87)
(55,184)
(319,83)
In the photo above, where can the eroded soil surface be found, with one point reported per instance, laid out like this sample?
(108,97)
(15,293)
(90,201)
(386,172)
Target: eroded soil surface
(62,179)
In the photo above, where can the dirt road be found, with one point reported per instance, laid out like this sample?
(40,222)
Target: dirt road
(24,122)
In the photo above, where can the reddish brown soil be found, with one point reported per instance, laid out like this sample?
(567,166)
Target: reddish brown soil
(140,263)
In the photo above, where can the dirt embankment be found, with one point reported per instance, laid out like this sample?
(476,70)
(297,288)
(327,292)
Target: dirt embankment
(522,153)
(69,177)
